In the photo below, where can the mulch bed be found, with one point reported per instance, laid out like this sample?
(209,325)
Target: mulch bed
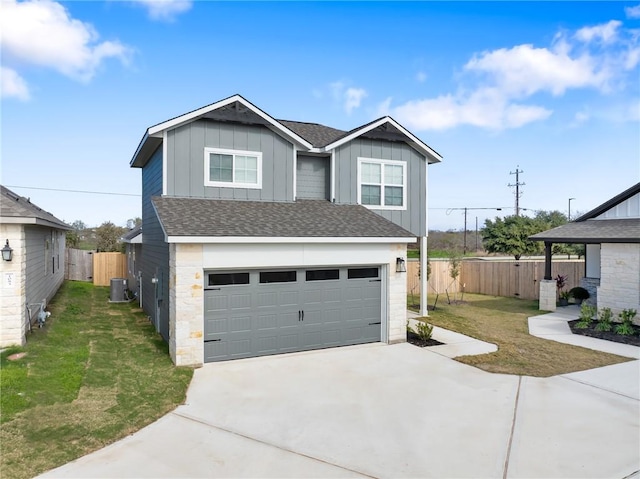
(414,339)
(608,335)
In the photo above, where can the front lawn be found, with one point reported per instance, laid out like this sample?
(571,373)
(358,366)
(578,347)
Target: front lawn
(503,321)
(96,373)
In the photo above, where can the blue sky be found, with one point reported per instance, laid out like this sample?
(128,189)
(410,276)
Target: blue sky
(553,88)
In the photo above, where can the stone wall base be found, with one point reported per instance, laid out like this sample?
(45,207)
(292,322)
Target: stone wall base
(547,295)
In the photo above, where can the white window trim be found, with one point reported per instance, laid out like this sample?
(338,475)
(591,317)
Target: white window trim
(382,206)
(232,184)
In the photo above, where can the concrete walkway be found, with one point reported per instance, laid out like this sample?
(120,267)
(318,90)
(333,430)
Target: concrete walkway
(384,411)
(554,326)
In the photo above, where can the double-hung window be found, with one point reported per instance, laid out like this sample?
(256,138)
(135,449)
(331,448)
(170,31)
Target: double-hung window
(232,168)
(382,184)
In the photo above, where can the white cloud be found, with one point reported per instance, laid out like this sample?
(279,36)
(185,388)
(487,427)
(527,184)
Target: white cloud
(581,117)
(13,85)
(349,98)
(484,108)
(632,12)
(166,10)
(606,33)
(42,33)
(599,57)
(352,98)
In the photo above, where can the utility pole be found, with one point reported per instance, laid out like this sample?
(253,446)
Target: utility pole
(465,232)
(517,185)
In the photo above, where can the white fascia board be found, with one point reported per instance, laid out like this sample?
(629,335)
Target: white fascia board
(292,240)
(165,161)
(167,125)
(140,145)
(24,220)
(423,147)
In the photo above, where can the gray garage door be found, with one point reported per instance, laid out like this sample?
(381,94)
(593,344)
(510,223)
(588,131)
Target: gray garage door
(256,313)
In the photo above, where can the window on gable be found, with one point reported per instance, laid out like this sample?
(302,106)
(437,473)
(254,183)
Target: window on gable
(382,184)
(232,168)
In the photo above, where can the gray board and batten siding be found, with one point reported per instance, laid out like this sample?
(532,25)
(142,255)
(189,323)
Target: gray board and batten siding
(313,177)
(185,160)
(44,264)
(155,253)
(414,217)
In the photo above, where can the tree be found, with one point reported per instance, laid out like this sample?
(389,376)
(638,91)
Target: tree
(510,236)
(72,239)
(108,236)
(78,225)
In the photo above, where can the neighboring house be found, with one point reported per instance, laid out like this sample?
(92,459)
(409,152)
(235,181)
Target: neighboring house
(611,233)
(36,269)
(133,249)
(264,236)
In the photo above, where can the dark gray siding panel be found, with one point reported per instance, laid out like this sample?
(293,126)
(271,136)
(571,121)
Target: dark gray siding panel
(185,162)
(45,263)
(346,186)
(155,251)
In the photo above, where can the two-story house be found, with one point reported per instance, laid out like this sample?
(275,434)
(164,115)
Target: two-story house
(264,236)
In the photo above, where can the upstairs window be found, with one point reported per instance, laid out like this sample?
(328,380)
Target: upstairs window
(232,168)
(382,184)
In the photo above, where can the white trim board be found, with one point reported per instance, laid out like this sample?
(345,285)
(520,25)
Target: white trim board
(286,240)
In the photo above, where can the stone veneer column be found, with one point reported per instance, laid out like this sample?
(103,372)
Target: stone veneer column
(13,315)
(619,277)
(397,289)
(186,305)
(547,300)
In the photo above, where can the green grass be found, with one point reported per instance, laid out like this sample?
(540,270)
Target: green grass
(96,373)
(503,321)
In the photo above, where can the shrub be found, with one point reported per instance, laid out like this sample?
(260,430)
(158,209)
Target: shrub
(625,328)
(579,293)
(425,330)
(587,312)
(604,320)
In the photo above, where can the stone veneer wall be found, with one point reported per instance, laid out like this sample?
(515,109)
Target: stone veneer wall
(13,287)
(619,277)
(186,305)
(591,285)
(548,293)
(397,289)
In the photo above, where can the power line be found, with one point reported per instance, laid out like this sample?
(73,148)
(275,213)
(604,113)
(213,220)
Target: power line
(73,191)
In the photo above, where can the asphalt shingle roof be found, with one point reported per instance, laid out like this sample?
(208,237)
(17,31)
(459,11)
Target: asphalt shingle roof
(15,206)
(594,231)
(305,218)
(316,134)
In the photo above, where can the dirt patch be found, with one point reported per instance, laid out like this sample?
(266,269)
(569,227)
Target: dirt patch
(16,356)
(633,340)
(414,339)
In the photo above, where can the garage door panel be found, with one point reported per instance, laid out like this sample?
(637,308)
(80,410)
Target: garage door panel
(267,299)
(266,322)
(288,298)
(240,324)
(240,301)
(217,303)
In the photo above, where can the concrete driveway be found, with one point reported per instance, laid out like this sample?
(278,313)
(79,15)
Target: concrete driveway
(384,411)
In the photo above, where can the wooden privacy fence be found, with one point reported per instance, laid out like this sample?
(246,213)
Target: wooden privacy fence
(78,264)
(107,266)
(494,277)
(97,267)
